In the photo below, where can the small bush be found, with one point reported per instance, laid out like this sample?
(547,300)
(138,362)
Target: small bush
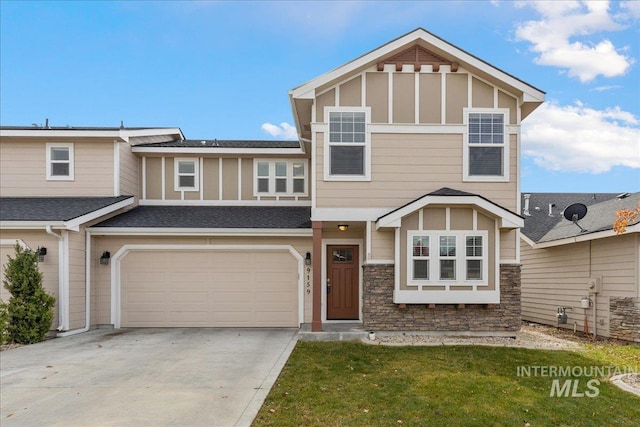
(30,308)
(4,322)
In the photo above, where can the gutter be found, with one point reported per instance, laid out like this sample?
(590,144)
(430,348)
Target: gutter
(62,305)
(87,289)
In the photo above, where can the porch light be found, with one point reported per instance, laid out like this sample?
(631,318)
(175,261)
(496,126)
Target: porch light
(42,251)
(105,257)
(343,227)
(307,259)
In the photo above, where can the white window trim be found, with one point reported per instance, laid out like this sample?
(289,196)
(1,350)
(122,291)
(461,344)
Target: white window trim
(272,178)
(505,153)
(461,258)
(177,174)
(68,145)
(367,145)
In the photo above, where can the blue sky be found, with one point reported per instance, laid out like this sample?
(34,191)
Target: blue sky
(223,69)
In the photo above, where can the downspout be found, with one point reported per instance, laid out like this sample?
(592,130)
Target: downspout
(61,300)
(87,289)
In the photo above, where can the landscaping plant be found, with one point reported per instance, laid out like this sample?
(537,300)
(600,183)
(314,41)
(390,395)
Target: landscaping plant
(30,308)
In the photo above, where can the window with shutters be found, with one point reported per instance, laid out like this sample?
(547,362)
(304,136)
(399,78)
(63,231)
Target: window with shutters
(347,145)
(59,162)
(186,175)
(486,152)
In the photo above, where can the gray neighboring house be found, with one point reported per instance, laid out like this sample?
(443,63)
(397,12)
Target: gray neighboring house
(563,265)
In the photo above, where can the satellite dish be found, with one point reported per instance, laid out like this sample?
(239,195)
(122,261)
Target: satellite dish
(575,213)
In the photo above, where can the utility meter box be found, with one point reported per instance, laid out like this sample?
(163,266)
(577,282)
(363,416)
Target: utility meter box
(585,302)
(594,284)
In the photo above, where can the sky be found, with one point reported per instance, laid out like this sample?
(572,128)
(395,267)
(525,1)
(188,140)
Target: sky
(220,69)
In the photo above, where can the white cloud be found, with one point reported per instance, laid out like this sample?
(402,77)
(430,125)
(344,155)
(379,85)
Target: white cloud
(285,130)
(576,138)
(561,21)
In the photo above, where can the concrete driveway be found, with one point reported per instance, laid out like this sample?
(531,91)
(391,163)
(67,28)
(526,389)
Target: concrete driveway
(143,377)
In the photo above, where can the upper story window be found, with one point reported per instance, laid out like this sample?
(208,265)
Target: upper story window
(347,147)
(486,150)
(447,257)
(280,177)
(59,161)
(186,174)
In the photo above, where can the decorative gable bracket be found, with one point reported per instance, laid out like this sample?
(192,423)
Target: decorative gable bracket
(417,56)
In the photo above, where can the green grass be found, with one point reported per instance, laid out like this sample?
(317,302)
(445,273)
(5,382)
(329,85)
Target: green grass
(355,384)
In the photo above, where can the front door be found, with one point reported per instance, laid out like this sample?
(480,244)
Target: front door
(342,283)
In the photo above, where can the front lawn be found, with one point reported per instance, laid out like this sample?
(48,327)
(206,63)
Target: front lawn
(355,384)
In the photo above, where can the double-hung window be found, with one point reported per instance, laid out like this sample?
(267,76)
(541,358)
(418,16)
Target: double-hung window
(486,148)
(60,162)
(438,257)
(347,147)
(280,177)
(186,174)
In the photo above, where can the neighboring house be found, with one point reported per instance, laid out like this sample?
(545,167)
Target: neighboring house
(397,208)
(562,264)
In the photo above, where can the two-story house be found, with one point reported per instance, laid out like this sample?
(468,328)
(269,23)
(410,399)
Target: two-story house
(397,207)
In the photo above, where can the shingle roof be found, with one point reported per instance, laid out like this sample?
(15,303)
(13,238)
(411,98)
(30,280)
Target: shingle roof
(219,143)
(212,217)
(80,128)
(540,227)
(52,208)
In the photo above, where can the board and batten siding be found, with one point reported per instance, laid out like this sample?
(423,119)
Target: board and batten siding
(558,276)
(129,171)
(77,282)
(233,171)
(405,167)
(101,276)
(23,164)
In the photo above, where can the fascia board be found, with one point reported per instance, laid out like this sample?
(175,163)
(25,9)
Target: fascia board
(75,223)
(216,150)
(226,232)
(49,133)
(585,237)
(509,220)
(31,225)
(527,240)
(159,202)
(152,132)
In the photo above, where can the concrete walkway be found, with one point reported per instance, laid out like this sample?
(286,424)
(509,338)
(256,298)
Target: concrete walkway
(143,377)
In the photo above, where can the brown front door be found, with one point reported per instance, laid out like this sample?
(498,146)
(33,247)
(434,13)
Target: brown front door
(342,283)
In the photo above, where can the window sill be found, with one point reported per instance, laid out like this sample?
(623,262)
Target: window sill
(485,179)
(60,178)
(446,297)
(347,178)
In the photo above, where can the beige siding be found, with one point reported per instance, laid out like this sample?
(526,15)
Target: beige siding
(456,97)
(404,98)
(247,179)
(169,180)
(407,166)
(77,280)
(49,267)
(351,93)
(558,276)
(377,96)
(101,280)
(229,179)
(507,101)
(211,179)
(482,94)
(430,98)
(508,242)
(382,242)
(129,171)
(154,177)
(23,166)
(327,99)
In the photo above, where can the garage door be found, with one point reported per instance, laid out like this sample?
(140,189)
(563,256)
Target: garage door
(209,288)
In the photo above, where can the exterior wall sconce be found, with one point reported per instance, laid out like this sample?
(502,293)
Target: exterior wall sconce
(343,227)
(42,251)
(105,258)
(307,259)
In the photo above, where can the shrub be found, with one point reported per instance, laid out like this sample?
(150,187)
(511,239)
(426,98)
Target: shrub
(4,322)
(30,308)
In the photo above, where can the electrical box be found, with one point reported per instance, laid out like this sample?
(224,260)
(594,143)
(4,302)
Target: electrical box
(594,285)
(585,302)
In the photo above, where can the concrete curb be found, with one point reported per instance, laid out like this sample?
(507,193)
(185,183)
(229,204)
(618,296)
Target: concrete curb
(617,381)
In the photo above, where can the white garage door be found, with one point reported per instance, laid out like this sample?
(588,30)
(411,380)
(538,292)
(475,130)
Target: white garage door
(209,288)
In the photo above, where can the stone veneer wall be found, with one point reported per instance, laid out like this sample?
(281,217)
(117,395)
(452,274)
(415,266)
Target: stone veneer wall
(381,314)
(624,318)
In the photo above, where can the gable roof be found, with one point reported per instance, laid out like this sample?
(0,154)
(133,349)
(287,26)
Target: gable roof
(450,196)
(540,228)
(60,212)
(132,135)
(212,217)
(442,52)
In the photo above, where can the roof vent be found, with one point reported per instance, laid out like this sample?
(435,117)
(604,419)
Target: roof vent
(203,142)
(623,196)
(551,206)
(525,211)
